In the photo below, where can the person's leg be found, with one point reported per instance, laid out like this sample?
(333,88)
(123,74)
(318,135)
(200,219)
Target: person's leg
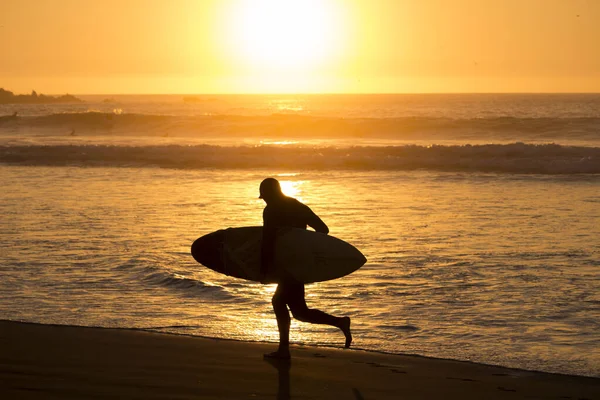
(300,311)
(283,323)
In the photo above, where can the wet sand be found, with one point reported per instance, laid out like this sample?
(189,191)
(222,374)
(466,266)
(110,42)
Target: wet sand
(63,362)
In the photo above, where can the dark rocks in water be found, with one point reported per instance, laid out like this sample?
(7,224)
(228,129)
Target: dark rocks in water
(8,97)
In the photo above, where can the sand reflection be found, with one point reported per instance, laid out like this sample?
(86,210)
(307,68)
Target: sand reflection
(283,373)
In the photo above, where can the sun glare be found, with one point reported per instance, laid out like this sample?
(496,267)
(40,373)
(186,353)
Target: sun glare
(291,188)
(284,35)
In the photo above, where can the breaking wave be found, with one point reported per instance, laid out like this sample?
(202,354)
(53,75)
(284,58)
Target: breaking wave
(302,126)
(146,269)
(500,158)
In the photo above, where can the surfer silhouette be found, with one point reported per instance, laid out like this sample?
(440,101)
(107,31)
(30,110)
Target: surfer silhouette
(281,212)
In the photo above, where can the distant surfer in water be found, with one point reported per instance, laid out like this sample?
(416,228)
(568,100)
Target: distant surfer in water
(14,115)
(283,211)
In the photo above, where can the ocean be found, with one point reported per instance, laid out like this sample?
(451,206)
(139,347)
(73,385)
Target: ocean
(479,216)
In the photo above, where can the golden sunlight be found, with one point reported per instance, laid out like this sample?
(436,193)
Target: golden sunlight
(284,35)
(291,188)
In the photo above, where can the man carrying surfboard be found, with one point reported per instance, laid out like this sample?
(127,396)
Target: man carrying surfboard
(282,211)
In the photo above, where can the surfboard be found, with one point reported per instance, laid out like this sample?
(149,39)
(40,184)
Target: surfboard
(303,255)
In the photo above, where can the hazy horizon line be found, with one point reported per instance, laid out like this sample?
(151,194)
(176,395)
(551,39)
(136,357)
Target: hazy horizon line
(320,94)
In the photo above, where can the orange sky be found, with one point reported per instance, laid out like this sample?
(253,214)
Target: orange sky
(256,46)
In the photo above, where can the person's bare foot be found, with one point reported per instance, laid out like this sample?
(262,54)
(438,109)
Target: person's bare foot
(345,327)
(278,355)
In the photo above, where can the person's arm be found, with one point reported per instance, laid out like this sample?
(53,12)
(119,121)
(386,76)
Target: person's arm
(267,253)
(315,222)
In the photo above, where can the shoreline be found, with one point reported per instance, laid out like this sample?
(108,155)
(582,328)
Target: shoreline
(156,330)
(60,361)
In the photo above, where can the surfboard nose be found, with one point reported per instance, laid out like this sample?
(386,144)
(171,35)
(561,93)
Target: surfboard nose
(207,250)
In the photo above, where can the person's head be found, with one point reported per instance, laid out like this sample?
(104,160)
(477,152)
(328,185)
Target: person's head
(270,190)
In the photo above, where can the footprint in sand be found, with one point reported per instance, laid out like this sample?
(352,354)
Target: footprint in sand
(397,371)
(505,389)
(377,365)
(462,379)
(389,367)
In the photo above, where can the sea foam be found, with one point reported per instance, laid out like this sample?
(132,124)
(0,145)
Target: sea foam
(500,158)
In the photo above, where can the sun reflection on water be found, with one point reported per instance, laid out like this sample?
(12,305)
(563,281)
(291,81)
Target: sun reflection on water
(292,188)
(446,254)
(268,289)
(279,142)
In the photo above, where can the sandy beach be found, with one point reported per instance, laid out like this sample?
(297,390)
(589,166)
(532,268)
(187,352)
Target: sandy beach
(64,362)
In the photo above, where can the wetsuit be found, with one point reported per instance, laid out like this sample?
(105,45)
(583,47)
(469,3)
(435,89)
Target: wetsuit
(289,212)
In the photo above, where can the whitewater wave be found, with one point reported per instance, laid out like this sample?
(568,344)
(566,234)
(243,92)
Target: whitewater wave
(500,158)
(303,126)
